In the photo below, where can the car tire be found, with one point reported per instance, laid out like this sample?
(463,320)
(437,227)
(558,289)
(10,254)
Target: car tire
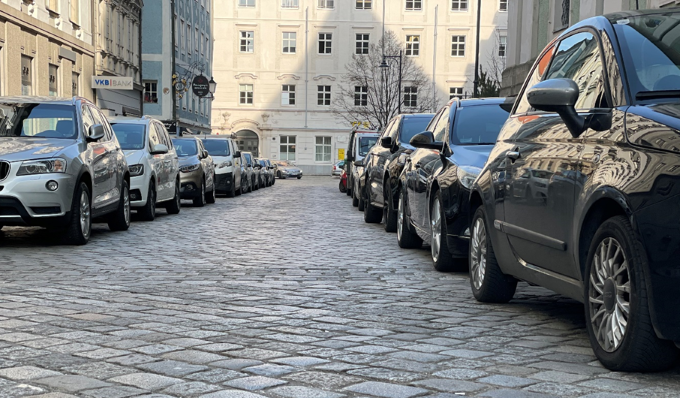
(175,205)
(341,187)
(299,177)
(489,284)
(406,237)
(232,192)
(362,204)
(211,197)
(119,220)
(273,180)
(389,213)
(148,212)
(372,214)
(355,200)
(79,227)
(199,201)
(636,348)
(439,244)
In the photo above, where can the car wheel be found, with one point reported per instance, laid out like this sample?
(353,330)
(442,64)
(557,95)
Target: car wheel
(355,200)
(362,204)
(617,308)
(211,196)
(489,284)
(174,206)
(439,244)
(79,227)
(406,238)
(119,220)
(232,191)
(299,177)
(199,201)
(273,180)
(372,214)
(389,215)
(148,212)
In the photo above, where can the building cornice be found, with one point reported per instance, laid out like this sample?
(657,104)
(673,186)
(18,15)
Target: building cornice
(245,74)
(329,77)
(288,76)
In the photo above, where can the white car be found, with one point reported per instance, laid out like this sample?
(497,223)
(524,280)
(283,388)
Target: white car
(227,159)
(153,164)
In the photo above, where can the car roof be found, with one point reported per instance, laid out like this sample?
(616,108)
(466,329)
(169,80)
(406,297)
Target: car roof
(24,99)
(615,16)
(215,137)
(480,101)
(130,120)
(417,115)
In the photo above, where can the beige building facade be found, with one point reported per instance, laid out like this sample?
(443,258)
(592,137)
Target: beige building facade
(46,48)
(279,62)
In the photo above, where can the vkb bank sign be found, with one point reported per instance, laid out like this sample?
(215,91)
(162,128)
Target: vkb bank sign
(112,83)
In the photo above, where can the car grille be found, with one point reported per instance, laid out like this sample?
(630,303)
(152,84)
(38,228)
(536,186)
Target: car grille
(4,170)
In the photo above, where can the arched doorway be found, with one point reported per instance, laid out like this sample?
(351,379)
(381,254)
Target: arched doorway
(248,141)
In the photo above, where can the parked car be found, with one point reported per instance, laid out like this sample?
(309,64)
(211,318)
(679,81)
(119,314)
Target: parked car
(338,168)
(153,165)
(360,142)
(253,170)
(272,171)
(263,180)
(343,182)
(434,188)
(197,171)
(227,157)
(357,179)
(61,166)
(268,171)
(384,164)
(599,112)
(285,169)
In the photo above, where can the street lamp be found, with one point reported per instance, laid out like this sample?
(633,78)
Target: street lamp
(212,85)
(385,65)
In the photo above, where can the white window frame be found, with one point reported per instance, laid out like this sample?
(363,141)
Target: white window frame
(246,44)
(457,45)
(362,43)
(455,92)
(246,94)
(290,4)
(412,46)
(324,95)
(150,91)
(502,46)
(292,38)
(246,3)
(327,39)
(414,5)
(57,92)
(285,140)
(503,5)
(411,96)
(325,4)
(460,5)
(326,146)
(363,4)
(288,95)
(360,95)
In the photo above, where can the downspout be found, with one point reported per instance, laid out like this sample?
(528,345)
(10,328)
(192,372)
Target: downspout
(95,41)
(479,19)
(434,59)
(139,46)
(306,64)
(172,50)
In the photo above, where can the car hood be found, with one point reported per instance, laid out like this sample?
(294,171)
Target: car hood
(185,161)
(24,148)
(471,155)
(133,156)
(288,168)
(654,126)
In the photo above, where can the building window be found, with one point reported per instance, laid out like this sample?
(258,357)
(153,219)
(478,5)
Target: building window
(246,94)
(561,18)
(325,42)
(190,39)
(324,95)
(457,46)
(364,4)
(290,4)
(412,45)
(288,94)
(75,84)
(183,43)
(362,43)
(75,11)
(151,92)
(503,5)
(52,5)
(289,42)
(246,3)
(326,4)
(323,149)
(26,75)
(459,5)
(502,45)
(54,80)
(202,46)
(360,95)
(247,42)
(411,96)
(414,5)
(287,147)
(455,92)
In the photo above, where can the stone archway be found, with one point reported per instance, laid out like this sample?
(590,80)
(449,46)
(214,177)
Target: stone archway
(248,141)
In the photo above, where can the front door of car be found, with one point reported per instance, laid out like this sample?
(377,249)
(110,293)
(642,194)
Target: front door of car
(379,159)
(165,185)
(103,162)
(236,162)
(155,161)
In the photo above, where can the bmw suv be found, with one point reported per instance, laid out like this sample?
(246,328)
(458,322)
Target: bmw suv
(61,166)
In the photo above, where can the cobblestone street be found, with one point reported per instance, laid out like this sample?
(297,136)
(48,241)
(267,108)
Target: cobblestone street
(284,292)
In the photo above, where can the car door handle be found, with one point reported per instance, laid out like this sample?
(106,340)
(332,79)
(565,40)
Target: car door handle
(513,155)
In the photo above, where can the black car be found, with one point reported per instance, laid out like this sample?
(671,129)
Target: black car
(599,119)
(383,166)
(434,188)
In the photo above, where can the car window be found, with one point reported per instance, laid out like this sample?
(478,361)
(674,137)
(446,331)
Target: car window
(37,120)
(412,126)
(162,135)
(478,125)
(536,76)
(99,119)
(435,119)
(217,147)
(88,121)
(578,58)
(441,127)
(185,147)
(153,136)
(388,128)
(130,136)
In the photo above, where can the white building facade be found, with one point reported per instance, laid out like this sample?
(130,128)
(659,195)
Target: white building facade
(279,62)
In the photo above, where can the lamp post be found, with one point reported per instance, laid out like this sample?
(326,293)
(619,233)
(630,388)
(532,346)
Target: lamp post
(385,65)
(479,18)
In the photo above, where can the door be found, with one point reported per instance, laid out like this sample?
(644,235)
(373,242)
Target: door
(208,167)
(541,195)
(378,160)
(103,163)
(165,177)
(237,164)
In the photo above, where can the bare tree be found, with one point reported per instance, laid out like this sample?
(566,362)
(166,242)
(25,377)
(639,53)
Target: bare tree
(490,80)
(369,93)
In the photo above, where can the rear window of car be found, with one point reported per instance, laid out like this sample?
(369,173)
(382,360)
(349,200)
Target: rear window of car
(130,136)
(478,125)
(185,147)
(38,121)
(217,147)
(412,126)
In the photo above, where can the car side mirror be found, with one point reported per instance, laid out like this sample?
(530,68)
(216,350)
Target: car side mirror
(386,142)
(159,149)
(237,154)
(358,163)
(426,140)
(205,154)
(96,133)
(559,96)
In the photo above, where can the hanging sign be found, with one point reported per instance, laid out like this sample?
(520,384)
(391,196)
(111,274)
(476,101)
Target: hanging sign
(200,86)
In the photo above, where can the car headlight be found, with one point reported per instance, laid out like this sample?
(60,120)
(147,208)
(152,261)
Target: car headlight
(224,164)
(136,170)
(57,165)
(190,168)
(467,175)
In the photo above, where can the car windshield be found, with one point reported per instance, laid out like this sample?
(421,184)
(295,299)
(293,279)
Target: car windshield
(249,160)
(366,143)
(651,53)
(185,147)
(130,136)
(412,126)
(478,125)
(37,121)
(284,163)
(217,147)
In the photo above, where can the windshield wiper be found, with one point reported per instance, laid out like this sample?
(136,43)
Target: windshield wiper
(644,95)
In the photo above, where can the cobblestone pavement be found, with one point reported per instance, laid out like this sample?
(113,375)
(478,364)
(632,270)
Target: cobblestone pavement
(284,292)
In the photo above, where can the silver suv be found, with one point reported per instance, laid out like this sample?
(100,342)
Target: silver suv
(60,167)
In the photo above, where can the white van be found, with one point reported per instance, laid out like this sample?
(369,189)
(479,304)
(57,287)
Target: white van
(227,159)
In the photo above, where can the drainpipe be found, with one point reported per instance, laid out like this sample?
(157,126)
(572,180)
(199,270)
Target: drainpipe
(306,64)
(479,18)
(172,50)
(434,58)
(139,55)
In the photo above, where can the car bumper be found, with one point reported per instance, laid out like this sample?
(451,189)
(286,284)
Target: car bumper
(26,201)
(224,182)
(190,184)
(139,190)
(291,175)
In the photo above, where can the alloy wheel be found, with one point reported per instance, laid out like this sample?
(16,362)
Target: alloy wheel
(609,294)
(436,225)
(85,222)
(126,205)
(400,216)
(478,253)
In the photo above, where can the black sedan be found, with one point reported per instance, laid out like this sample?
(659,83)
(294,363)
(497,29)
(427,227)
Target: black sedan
(434,187)
(594,135)
(383,166)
